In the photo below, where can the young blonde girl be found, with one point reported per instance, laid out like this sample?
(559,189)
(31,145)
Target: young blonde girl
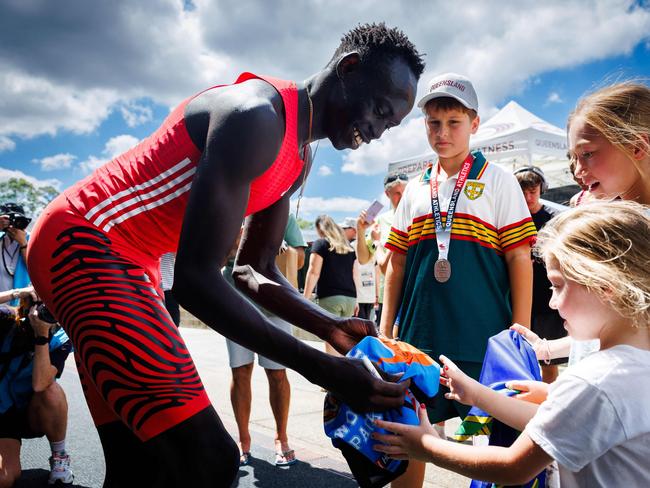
(594,421)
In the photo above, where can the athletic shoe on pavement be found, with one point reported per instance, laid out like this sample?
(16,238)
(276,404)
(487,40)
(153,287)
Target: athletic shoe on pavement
(60,471)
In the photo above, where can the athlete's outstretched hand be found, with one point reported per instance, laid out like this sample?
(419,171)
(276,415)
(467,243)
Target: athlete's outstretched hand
(349,381)
(349,332)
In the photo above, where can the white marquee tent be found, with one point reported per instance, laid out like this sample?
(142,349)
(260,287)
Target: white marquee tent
(512,138)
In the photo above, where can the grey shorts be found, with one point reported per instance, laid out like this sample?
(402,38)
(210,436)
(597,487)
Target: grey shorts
(240,356)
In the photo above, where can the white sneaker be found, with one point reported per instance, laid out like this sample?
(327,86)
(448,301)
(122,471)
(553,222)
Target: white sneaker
(60,471)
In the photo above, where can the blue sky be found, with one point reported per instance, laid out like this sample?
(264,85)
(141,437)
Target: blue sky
(80,83)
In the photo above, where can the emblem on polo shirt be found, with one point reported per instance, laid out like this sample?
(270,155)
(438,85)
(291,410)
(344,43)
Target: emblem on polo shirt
(474,189)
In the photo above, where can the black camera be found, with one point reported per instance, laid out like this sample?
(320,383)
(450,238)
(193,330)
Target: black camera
(18,220)
(44,314)
(16,215)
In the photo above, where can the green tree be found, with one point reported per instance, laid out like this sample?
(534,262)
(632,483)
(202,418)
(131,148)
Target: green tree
(305,224)
(32,198)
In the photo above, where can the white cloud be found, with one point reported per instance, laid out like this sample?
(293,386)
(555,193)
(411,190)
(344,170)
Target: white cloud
(119,144)
(403,141)
(554,97)
(6,144)
(58,161)
(324,170)
(312,206)
(114,147)
(67,73)
(34,105)
(7,174)
(135,114)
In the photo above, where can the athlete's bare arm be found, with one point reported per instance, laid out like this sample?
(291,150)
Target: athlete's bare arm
(243,139)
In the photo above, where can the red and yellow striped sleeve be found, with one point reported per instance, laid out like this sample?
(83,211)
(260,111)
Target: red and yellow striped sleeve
(517,234)
(398,241)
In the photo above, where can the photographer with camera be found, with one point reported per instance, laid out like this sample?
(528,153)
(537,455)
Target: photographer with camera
(33,350)
(13,243)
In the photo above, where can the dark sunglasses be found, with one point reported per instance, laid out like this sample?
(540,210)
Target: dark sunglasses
(391,178)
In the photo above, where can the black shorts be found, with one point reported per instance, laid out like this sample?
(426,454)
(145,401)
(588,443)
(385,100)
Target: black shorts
(14,424)
(549,326)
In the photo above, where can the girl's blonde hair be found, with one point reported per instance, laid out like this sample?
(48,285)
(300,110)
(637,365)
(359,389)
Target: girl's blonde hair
(621,113)
(334,234)
(604,246)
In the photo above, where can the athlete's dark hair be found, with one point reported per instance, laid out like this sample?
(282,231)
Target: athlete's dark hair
(377,43)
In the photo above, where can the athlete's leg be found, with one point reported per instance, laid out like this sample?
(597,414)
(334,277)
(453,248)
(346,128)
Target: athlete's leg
(135,362)
(198,452)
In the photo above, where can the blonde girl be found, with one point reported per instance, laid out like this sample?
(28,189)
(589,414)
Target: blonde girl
(332,267)
(594,422)
(609,141)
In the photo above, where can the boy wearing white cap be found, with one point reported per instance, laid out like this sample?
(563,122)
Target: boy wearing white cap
(460,271)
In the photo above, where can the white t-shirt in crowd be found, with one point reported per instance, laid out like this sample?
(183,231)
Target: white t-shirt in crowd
(366,289)
(596,420)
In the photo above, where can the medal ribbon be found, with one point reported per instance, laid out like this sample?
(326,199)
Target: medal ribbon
(443,234)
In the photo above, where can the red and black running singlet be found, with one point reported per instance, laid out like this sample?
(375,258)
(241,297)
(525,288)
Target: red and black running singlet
(143,193)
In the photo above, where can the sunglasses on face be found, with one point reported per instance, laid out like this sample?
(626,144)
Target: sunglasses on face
(400,176)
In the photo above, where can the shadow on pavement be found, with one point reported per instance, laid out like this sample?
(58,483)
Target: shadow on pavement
(264,474)
(38,477)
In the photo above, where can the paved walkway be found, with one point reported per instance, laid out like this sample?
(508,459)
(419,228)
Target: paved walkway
(319,466)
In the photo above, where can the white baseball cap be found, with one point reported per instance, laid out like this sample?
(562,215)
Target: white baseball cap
(451,85)
(348,223)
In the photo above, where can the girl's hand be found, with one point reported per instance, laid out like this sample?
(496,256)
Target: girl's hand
(531,391)
(539,345)
(407,441)
(462,388)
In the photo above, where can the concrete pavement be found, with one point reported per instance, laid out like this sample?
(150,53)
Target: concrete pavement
(320,465)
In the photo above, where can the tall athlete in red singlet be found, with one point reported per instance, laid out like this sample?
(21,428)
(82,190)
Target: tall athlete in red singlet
(231,152)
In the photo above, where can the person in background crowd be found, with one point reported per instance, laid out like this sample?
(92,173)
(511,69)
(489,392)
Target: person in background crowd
(242,360)
(373,249)
(364,275)
(13,239)
(32,403)
(545,321)
(167,282)
(331,271)
(460,268)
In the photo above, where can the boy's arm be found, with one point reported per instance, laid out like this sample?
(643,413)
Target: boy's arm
(392,292)
(520,272)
